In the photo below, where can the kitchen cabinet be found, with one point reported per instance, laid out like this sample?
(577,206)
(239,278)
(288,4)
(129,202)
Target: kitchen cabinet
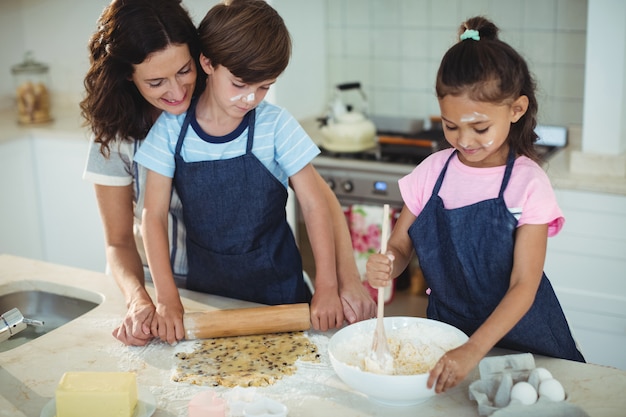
(20,228)
(586,263)
(48,211)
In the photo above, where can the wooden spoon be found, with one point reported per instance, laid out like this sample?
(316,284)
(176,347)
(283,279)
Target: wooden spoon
(383,361)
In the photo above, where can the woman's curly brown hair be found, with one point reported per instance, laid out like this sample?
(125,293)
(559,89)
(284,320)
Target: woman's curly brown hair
(128,31)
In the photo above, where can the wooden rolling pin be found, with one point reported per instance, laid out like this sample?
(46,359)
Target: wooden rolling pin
(247,321)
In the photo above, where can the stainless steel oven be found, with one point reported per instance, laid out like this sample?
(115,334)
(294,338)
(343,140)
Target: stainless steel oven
(370,177)
(358,180)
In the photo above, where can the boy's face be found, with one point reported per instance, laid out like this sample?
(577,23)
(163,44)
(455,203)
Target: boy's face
(234,95)
(167,78)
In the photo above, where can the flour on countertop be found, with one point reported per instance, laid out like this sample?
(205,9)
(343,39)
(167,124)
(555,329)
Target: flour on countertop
(156,362)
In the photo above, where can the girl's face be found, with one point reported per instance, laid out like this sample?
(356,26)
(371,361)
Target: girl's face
(231,94)
(167,78)
(479,130)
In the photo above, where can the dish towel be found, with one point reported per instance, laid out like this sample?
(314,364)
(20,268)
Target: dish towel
(365,224)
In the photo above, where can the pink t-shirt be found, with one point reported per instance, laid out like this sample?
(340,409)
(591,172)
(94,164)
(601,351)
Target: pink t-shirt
(529,195)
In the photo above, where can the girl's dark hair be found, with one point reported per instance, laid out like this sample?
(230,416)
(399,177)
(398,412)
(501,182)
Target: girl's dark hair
(490,70)
(248,37)
(127,32)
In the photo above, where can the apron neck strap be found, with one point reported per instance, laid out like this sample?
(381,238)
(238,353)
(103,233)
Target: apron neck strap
(191,111)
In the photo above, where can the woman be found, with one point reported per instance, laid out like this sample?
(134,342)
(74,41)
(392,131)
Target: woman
(143,62)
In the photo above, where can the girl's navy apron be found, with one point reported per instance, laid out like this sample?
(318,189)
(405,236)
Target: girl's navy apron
(239,243)
(466,255)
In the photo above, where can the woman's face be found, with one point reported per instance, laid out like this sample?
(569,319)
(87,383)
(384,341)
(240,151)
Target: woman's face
(166,79)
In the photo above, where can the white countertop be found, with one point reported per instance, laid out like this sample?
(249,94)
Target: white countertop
(30,373)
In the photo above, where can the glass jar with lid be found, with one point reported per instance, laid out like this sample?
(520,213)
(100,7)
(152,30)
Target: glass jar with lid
(32,91)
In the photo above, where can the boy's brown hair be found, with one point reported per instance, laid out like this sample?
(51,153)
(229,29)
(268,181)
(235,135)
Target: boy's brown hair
(248,37)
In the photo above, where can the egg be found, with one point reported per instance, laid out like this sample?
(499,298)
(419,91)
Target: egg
(524,393)
(552,390)
(537,375)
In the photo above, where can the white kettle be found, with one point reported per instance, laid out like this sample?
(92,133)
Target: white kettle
(346,129)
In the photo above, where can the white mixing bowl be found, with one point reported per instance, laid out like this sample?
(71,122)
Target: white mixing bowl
(349,345)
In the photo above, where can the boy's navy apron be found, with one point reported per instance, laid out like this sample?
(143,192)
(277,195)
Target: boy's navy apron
(466,255)
(239,243)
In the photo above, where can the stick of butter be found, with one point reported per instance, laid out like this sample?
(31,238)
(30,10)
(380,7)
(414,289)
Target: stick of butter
(96,394)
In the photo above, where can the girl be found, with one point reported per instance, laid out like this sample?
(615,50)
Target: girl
(479,214)
(143,58)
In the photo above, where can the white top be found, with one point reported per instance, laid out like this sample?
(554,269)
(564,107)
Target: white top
(119,170)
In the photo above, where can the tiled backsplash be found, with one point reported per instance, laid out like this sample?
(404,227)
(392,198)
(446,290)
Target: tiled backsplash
(393,47)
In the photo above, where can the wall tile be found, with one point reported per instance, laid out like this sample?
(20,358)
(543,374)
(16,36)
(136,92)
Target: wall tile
(538,47)
(415,13)
(386,43)
(385,13)
(571,15)
(473,8)
(507,13)
(357,43)
(356,13)
(566,112)
(335,40)
(386,73)
(385,102)
(394,48)
(570,83)
(570,48)
(415,43)
(445,14)
(540,14)
(544,77)
(441,40)
(334,13)
(416,75)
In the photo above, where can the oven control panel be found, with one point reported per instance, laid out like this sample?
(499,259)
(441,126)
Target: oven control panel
(360,185)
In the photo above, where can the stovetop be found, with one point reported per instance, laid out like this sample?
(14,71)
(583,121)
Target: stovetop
(396,149)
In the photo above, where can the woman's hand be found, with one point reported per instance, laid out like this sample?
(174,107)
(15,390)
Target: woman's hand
(167,325)
(135,328)
(453,367)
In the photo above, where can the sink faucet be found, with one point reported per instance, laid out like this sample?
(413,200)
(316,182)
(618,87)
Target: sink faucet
(12,322)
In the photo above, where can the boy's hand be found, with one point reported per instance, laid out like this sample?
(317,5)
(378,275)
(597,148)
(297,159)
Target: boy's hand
(356,301)
(168,322)
(326,309)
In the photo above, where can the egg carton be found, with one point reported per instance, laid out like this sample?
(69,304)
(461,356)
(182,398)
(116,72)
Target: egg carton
(492,392)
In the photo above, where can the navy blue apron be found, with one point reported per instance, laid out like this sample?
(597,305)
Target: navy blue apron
(466,255)
(239,244)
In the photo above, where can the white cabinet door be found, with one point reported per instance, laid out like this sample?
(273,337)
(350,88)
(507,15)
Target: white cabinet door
(586,263)
(19,219)
(72,231)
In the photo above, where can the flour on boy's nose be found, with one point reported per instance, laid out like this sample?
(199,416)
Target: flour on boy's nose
(246,99)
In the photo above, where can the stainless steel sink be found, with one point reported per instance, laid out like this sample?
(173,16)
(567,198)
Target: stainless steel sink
(53,309)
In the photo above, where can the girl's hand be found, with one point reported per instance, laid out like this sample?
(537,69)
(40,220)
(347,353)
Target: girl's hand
(378,269)
(168,322)
(326,309)
(135,328)
(453,367)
